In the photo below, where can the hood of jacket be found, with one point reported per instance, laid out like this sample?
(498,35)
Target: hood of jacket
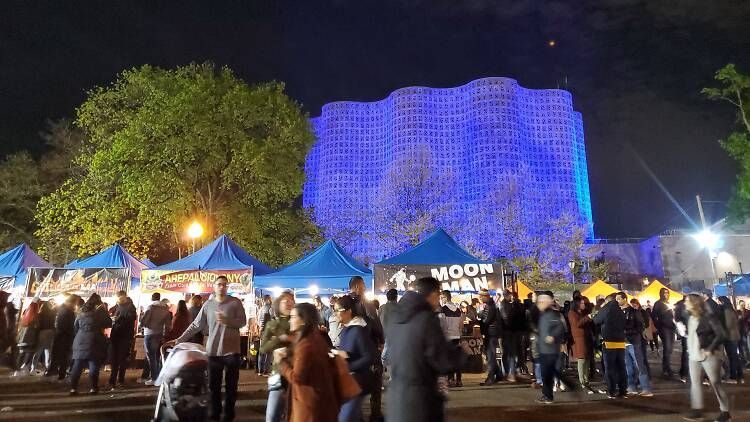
(410,305)
(452,306)
(357,321)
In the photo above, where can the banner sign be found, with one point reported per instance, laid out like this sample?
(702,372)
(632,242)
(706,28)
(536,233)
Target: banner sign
(50,282)
(196,281)
(456,278)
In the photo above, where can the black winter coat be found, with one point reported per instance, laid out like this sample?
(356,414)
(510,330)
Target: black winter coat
(662,316)
(90,341)
(514,316)
(611,319)
(711,332)
(420,353)
(491,320)
(64,324)
(123,327)
(634,325)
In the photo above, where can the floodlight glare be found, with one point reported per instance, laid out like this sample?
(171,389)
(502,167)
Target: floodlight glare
(707,239)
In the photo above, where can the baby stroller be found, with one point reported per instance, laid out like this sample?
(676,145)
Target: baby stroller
(182,385)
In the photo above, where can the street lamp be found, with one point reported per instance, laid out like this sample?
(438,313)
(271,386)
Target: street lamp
(572,266)
(710,241)
(194,232)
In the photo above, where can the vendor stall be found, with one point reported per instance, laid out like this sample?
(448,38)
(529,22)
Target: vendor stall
(324,271)
(196,273)
(441,257)
(651,293)
(14,266)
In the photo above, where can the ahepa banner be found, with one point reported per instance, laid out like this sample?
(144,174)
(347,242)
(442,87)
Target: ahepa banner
(456,277)
(51,282)
(196,281)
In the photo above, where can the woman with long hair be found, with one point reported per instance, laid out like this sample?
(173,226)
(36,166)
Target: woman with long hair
(307,367)
(89,344)
(705,337)
(732,342)
(180,322)
(359,352)
(276,335)
(28,336)
(582,332)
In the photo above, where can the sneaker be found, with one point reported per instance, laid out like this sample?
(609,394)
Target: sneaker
(94,391)
(589,391)
(487,382)
(148,382)
(646,394)
(611,397)
(563,387)
(73,392)
(544,400)
(693,415)
(632,393)
(731,382)
(723,417)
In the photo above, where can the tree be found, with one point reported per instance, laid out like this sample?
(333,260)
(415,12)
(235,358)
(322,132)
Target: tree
(20,189)
(412,200)
(735,89)
(165,147)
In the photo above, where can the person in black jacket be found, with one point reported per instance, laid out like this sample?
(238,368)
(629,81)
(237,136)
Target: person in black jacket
(420,353)
(121,338)
(89,344)
(491,326)
(664,322)
(705,337)
(63,343)
(360,353)
(681,317)
(612,322)
(634,357)
(514,322)
(551,326)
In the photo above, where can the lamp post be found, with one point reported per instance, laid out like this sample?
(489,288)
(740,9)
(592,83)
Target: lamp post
(194,232)
(572,266)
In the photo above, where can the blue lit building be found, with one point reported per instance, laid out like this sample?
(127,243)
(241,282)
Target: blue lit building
(478,140)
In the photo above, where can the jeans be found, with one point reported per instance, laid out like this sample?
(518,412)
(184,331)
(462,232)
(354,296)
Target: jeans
(667,341)
(275,405)
(120,353)
(510,353)
(493,369)
(229,367)
(634,367)
(75,374)
(151,343)
(735,370)
(351,410)
(614,371)
(712,366)
(538,371)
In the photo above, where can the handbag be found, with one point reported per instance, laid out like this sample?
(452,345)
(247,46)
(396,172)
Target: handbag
(346,386)
(275,381)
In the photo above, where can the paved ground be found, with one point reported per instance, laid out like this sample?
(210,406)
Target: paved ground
(38,399)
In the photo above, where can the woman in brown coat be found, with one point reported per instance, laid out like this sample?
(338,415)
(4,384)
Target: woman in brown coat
(582,331)
(308,369)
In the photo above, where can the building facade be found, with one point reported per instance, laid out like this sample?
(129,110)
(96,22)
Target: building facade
(442,157)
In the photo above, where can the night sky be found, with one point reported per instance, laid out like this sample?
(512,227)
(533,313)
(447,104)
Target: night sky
(635,68)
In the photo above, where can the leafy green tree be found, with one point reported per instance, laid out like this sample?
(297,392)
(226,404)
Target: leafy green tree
(735,89)
(20,189)
(165,147)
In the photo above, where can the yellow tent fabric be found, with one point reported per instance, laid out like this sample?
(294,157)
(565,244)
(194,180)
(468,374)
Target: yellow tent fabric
(523,290)
(652,293)
(598,288)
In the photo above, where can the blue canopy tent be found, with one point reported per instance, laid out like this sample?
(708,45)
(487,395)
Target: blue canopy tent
(14,264)
(326,270)
(114,256)
(438,248)
(741,287)
(221,254)
(439,256)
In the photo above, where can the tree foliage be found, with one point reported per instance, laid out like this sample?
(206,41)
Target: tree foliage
(165,147)
(735,89)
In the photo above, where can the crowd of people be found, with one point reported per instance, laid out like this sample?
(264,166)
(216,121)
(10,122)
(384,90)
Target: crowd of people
(410,347)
